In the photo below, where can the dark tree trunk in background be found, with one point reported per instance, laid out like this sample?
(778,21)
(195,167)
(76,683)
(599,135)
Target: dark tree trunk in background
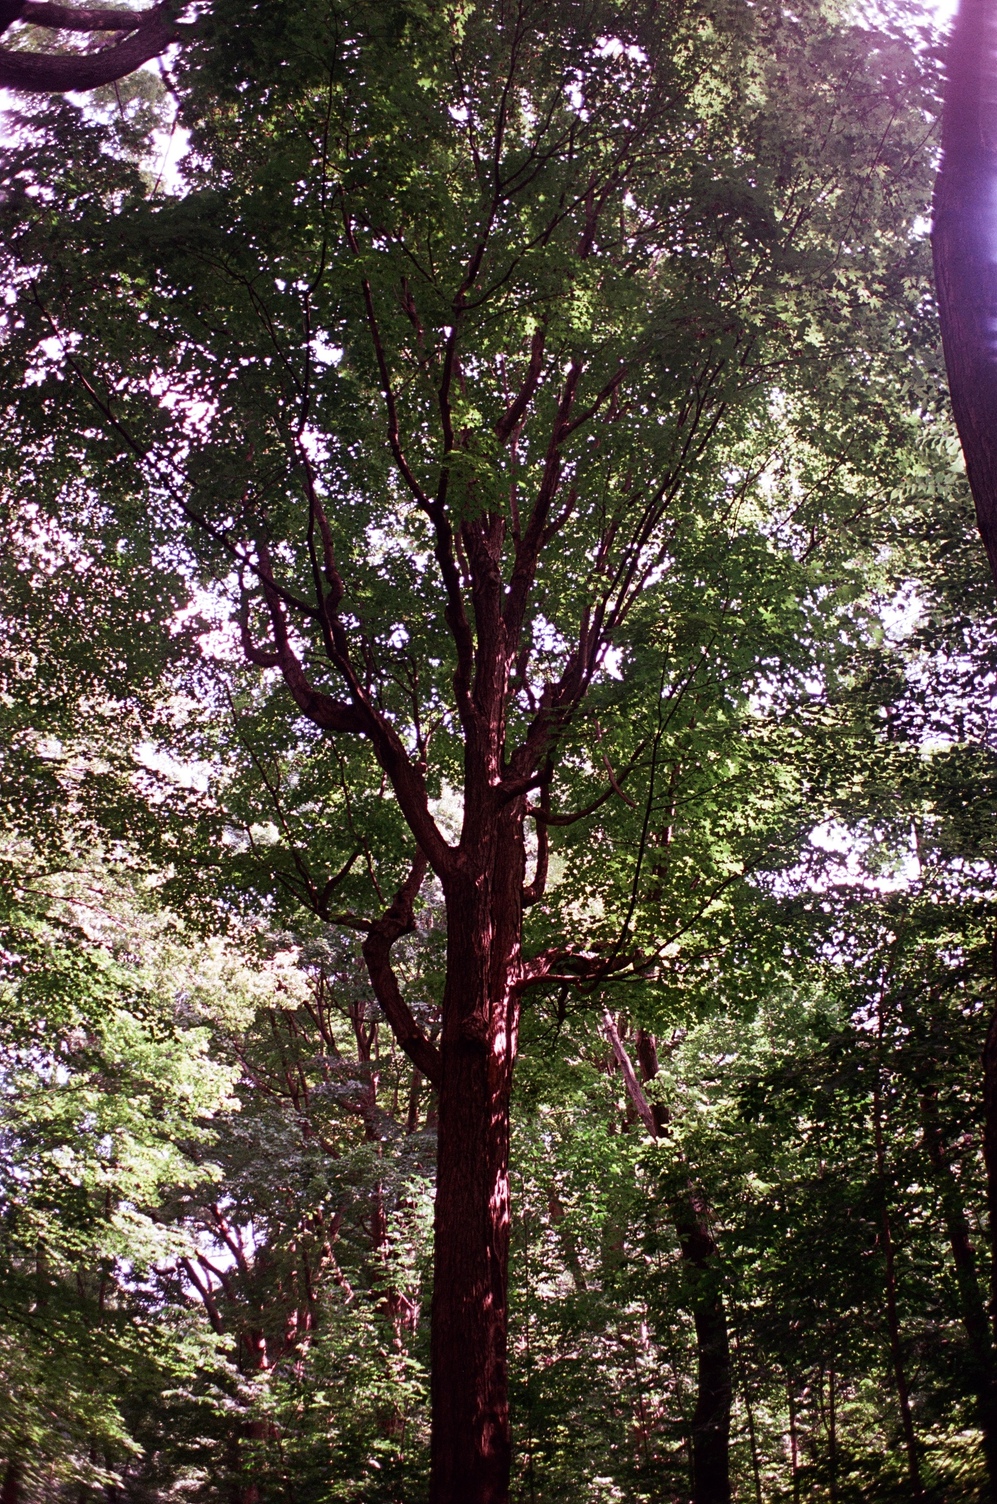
(972,1307)
(891,1290)
(965,250)
(990,1160)
(10,1492)
(990,1156)
(691,1217)
(711,1417)
(897,1357)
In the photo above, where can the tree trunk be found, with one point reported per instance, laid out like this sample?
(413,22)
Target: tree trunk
(972,1308)
(990,1161)
(990,1149)
(10,1492)
(690,1214)
(794,1444)
(965,253)
(711,1417)
(470,1442)
(756,1471)
(832,1436)
(892,1305)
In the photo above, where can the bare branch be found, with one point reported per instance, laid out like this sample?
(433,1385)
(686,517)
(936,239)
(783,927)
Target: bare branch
(204,1291)
(634,1089)
(632,803)
(582,814)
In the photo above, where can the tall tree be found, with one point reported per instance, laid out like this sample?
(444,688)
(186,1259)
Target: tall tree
(105,1117)
(466,369)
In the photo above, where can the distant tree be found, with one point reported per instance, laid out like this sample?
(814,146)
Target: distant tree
(108,1091)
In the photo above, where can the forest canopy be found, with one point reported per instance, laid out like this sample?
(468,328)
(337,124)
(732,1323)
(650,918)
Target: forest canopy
(499,767)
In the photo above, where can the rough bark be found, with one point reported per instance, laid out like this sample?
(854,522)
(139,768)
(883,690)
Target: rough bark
(691,1217)
(142,35)
(470,1443)
(965,250)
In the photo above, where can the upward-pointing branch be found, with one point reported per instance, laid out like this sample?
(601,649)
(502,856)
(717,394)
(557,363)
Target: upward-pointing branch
(635,1091)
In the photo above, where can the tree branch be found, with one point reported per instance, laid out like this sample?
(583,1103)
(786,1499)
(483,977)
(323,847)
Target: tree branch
(321,709)
(383,933)
(534,891)
(513,414)
(73,18)
(634,1089)
(151,32)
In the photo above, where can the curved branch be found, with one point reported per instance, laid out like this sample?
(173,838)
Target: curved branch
(383,933)
(964,243)
(70,18)
(534,891)
(150,33)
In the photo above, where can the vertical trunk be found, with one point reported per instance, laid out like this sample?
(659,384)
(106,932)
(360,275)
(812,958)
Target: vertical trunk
(893,1313)
(470,1447)
(412,1115)
(990,1161)
(889,1259)
(567,1240)
(896,1356)
(965,259)
(470,1442)
(794,1445)
(756,1471)
(990,1152)
(972,1308)
(832,1435)
(711,1418)
(10,1492)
